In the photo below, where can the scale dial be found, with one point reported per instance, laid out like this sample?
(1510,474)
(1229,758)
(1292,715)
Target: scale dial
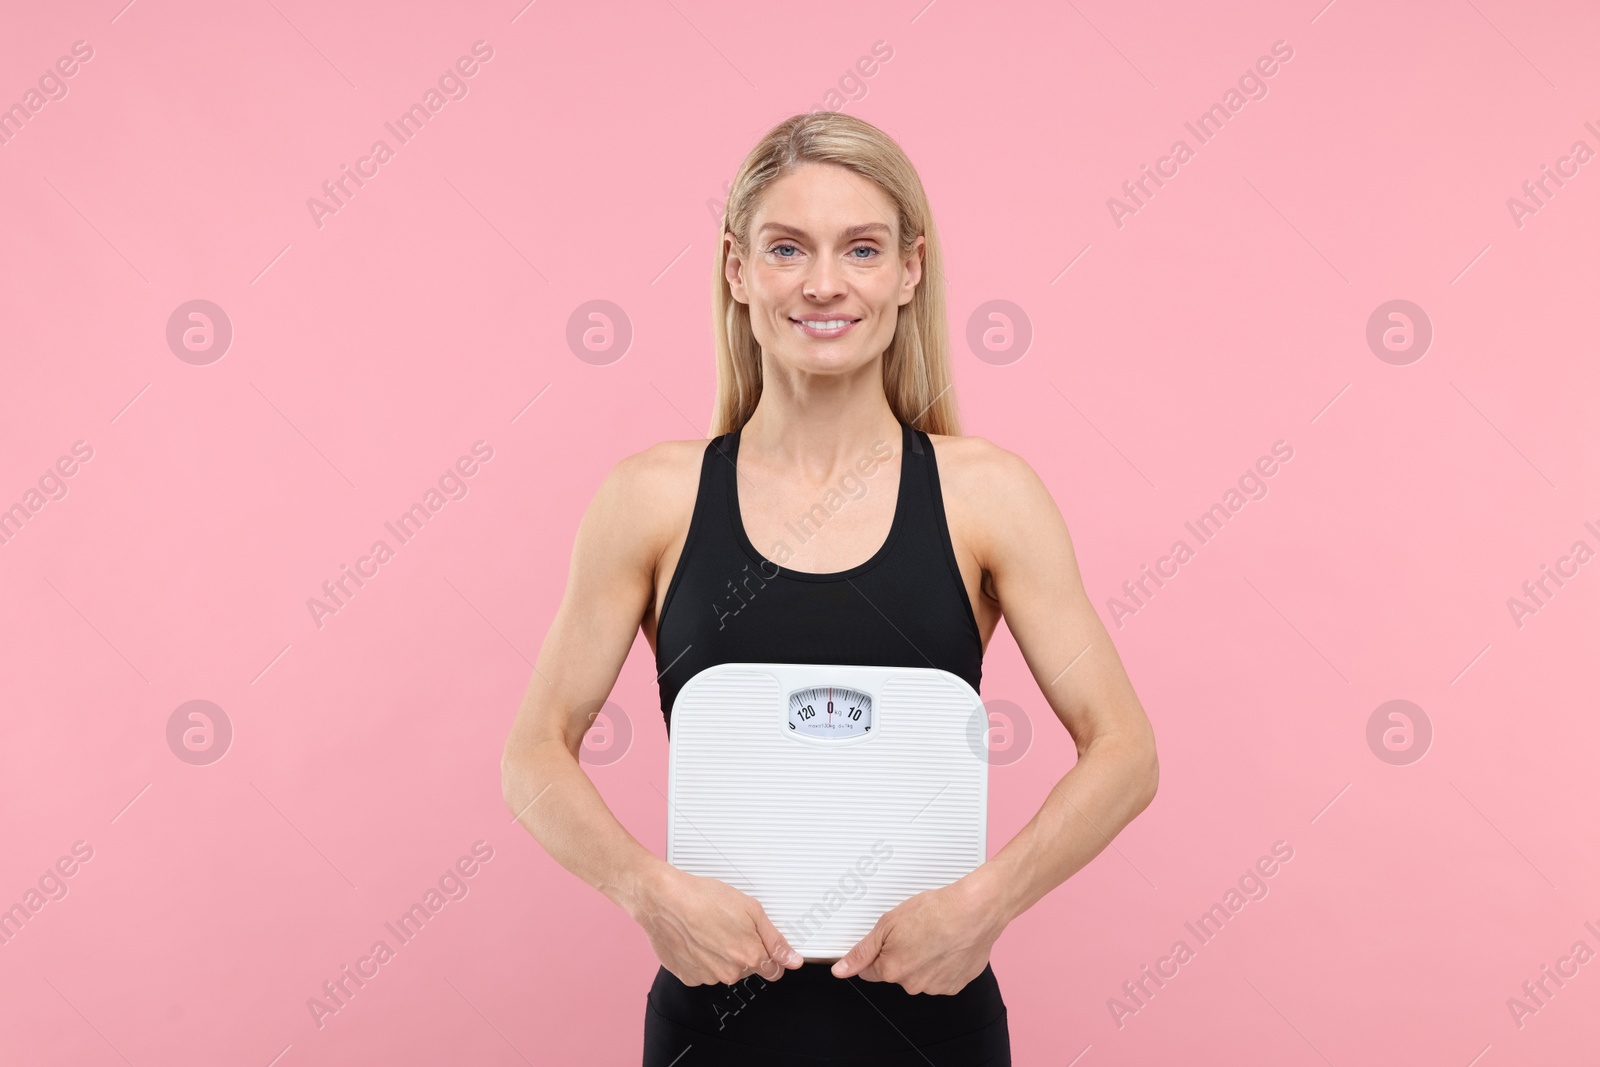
(830,711)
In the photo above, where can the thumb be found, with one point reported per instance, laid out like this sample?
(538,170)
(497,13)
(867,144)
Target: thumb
(777,946)
(864,952)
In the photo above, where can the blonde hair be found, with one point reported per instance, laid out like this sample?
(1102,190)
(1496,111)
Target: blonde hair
(916,365)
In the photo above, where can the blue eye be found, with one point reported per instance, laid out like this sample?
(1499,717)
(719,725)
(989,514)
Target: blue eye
(872,252)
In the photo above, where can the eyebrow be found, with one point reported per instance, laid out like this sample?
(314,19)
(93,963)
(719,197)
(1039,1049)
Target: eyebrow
(875,228)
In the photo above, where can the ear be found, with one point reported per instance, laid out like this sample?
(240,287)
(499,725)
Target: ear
(733,269)
(914,266)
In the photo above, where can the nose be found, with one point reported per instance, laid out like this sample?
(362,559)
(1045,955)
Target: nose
(824,279)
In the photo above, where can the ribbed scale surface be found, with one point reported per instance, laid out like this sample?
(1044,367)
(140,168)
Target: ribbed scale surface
(826,834)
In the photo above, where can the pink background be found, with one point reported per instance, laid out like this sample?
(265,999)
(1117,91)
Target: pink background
(432,311)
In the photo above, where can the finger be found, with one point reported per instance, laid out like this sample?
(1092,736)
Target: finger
(862,954)
(778,948)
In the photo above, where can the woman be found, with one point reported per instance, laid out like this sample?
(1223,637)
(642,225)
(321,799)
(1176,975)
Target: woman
(832,361)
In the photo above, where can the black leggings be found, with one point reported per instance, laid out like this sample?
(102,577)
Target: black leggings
(807,1017)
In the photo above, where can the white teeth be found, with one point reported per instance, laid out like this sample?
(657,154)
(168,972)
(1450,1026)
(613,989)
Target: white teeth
(831,325)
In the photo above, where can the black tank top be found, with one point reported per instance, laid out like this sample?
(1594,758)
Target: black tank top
(906,606)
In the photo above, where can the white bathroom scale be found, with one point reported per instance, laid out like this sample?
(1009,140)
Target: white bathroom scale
(828,793)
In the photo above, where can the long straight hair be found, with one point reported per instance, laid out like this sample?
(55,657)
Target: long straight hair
(916,365)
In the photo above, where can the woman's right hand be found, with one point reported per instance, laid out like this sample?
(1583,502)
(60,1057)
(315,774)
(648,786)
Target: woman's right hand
(705,931)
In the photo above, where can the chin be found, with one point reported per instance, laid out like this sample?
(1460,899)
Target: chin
(844,361)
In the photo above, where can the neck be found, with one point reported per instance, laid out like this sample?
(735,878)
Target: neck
(818,441)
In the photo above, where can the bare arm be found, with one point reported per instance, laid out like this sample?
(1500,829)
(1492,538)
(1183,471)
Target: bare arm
(702,929)
(609,585)
(1026,548)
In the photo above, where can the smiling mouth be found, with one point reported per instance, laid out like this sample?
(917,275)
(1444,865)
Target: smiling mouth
(824,327)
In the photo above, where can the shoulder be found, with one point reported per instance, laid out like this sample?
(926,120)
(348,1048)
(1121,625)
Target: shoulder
(658,469)
(979,470)
(997,491)
(647,496)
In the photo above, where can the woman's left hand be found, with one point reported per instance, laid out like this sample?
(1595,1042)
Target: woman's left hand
(934,942)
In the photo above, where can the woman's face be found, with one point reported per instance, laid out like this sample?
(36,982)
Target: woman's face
(823,249)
